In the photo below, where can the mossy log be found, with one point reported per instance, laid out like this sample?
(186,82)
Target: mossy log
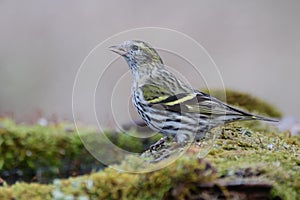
(249,160)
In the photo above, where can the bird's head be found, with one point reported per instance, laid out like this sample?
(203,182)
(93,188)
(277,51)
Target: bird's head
(137,53)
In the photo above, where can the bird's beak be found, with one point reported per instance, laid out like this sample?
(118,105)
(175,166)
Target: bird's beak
(119,50)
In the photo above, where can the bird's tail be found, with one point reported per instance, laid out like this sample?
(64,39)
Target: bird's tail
(256,117)
(249,116)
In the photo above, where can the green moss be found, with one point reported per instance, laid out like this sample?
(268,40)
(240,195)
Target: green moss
(240,153)
(48,150)
(26,191)
(111,184)
(54,150)
(271,155)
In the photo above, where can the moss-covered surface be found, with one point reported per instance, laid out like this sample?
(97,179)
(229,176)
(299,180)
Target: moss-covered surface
(250,160)
(243,152)
(42,153)
(240,156)
(110,184)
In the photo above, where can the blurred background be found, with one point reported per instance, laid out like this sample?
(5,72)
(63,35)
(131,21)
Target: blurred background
(255,44)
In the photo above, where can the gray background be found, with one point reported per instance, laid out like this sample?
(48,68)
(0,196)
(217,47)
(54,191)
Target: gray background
(256,45)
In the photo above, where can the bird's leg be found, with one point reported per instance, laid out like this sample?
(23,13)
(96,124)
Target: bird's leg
(159,143)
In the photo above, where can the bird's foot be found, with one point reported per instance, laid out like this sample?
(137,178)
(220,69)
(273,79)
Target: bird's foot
(160,143)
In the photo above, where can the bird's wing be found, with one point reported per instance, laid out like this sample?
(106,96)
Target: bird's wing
(155,93)
(196,102)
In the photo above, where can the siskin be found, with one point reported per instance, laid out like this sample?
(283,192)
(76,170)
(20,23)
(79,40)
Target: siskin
(167,104)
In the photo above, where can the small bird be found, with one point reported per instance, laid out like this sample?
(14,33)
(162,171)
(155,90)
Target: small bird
(167,104)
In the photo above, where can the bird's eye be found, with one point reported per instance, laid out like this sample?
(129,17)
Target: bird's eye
(135,47)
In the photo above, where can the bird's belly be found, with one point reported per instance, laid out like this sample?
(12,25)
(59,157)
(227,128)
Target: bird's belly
(182,126)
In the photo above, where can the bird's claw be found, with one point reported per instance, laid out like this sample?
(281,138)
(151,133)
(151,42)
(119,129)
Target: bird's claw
(158,144)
